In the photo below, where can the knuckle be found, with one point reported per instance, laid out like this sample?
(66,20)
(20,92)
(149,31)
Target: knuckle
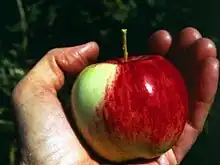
(81,58)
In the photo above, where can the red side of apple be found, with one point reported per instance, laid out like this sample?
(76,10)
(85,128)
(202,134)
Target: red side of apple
(148,100)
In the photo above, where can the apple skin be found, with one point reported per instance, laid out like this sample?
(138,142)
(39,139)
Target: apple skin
(133,109)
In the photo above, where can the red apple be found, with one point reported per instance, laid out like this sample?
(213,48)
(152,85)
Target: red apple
(129,108)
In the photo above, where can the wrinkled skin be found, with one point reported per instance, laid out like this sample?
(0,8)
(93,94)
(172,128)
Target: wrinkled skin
(46,136)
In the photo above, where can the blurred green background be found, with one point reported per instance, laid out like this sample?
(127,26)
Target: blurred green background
(29,28)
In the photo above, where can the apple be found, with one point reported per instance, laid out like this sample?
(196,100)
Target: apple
(131,107)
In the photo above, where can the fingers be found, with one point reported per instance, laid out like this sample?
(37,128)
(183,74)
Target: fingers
(201,75)
(203,48)
(46,136)
(206,90)
(207,83)
(179,54)
(160,42)
(200,69)
(187,37)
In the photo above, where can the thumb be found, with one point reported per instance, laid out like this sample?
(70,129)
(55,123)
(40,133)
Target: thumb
(46,136)
(49,71)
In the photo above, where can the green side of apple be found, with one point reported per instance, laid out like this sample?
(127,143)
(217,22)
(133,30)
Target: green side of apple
(89,90)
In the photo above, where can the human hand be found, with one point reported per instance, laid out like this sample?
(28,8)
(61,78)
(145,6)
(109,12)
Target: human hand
(46,135)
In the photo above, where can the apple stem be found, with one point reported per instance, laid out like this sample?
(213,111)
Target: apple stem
(125,49)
